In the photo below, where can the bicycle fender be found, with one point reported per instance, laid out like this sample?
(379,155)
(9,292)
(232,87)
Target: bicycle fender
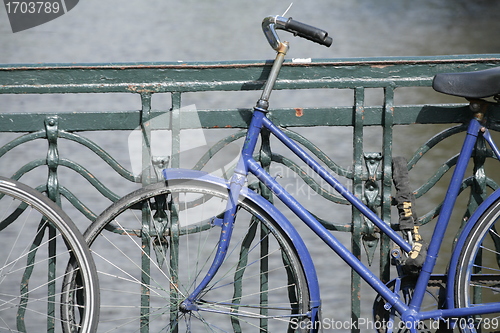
(450,297)
(286,226)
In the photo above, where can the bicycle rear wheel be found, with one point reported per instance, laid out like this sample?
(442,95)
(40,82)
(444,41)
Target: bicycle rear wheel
(154,246)
(38,240)
(477,280)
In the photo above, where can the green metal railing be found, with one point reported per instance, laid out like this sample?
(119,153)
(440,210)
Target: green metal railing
(369,174)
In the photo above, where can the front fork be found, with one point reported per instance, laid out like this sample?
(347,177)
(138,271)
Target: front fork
(237,182)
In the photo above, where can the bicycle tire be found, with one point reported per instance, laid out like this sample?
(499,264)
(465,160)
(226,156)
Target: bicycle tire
(38,241)
(233,301)
(478,274)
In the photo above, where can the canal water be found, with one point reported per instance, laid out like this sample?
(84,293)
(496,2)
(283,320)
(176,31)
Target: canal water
(218,30)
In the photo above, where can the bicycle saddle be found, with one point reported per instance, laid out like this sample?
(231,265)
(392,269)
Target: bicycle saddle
(478,84)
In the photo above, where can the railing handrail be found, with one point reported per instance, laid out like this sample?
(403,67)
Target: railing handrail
(213,76)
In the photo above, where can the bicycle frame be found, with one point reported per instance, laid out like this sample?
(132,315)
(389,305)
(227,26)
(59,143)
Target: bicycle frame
(246,164)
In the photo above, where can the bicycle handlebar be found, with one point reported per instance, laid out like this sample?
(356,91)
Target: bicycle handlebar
(271,23)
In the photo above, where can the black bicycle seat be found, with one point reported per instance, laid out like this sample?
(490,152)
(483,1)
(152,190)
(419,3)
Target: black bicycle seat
(479,84)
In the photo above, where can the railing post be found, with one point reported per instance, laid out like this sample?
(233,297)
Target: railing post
(388,123)
(176,130)
(357,219)
(145,125)
(147,168)
(478,187)
(372,197)
(175,123)
(52,129)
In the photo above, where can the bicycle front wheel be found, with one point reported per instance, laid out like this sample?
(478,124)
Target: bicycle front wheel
(154,246)
(38,240)
(477,280)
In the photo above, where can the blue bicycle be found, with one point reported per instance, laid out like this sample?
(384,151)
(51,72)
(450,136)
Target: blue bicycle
(202,254)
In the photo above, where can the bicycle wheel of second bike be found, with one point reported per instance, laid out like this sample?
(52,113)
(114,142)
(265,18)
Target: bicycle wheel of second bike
(38,241)
(154,246)
(477,280)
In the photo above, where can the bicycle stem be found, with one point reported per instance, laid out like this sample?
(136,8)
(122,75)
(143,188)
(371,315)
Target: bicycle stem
(263,102)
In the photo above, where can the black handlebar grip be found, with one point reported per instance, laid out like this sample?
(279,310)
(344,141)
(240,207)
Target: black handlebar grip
(308,32)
